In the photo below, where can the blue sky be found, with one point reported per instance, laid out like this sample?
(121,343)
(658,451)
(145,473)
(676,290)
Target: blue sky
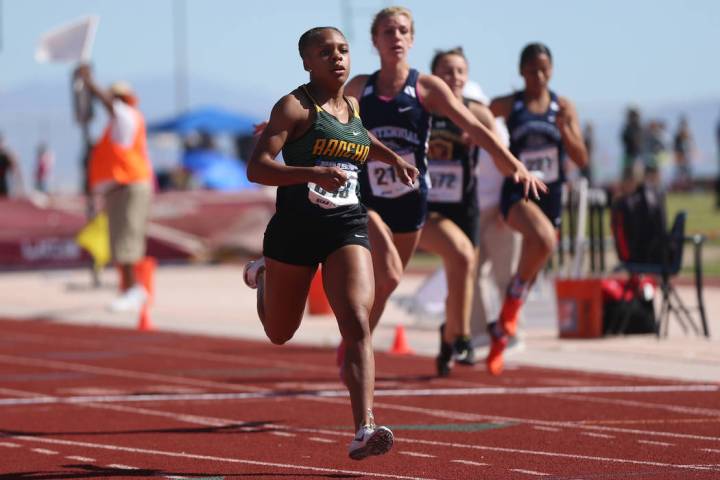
(610,50)
(243,54)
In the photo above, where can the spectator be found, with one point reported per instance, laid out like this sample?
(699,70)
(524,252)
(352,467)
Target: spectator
(717,182)
(655,150)
(589,138)
(632,139)
(683,146)
(121,171)
(44,162)
(8,168)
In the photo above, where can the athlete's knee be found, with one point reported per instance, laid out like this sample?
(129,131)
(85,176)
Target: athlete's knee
(462,260)
(386,284)
(354,323)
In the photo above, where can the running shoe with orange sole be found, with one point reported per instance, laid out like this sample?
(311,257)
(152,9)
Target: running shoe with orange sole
(495,361)
(509,315)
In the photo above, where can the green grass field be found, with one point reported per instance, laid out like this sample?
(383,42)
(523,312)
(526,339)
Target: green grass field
(702,218)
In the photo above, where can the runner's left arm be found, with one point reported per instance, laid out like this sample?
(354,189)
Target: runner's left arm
(568,123)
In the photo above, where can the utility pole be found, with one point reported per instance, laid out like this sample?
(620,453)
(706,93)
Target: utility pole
(179,14)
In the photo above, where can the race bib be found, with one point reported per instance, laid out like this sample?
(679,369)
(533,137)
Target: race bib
(446,178)
(345,195)
(384,182)
(543,163)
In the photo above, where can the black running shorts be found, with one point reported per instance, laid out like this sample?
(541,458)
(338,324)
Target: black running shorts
(550,203)
(404,214)
(299,240)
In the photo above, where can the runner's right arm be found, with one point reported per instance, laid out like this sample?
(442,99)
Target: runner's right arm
(286,117)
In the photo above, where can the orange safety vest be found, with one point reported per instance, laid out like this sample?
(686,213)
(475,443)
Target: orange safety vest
(112,162)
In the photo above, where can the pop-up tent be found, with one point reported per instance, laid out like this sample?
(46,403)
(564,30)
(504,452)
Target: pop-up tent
(212,169)
(212,120)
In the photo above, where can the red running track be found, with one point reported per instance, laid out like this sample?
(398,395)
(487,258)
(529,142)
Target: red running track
(82,402)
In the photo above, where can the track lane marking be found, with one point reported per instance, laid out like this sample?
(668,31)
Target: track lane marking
(416,454)
(653,442)
(399,440)
(530,472)
(320,440)
(117,372)
(468,462)
(546,429)
(212,458)
(80,459)
(597,435)
(10,445)
(265,393)
(44,451)
(710,412)
(122,467)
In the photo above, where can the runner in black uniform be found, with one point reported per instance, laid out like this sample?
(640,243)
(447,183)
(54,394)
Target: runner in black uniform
(451,226)
(319,219)
(543,128)
(396,103)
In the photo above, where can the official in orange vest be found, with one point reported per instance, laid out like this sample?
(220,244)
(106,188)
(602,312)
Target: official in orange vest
(120,170)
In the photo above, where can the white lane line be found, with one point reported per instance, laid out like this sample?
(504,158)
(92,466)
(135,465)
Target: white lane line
(710,412)
(530,472)
(472,417)
(117,372)
(709,450)
(468,462)
(597,435)
(259,393)
(211,458)
(9,445)
(659,444)
(80,459)
(284,434)
(44,451)
(546,429)
(416,454)
(320,440)
(122,467)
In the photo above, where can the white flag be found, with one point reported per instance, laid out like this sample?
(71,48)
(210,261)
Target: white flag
(69,43)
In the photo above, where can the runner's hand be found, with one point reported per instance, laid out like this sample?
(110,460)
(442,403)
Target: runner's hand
(531,184)
(259,128)
(406,172)
(330,178)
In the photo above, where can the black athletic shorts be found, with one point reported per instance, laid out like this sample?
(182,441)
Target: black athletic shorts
(404,214)
(462,216)
(299,240)
(550,203)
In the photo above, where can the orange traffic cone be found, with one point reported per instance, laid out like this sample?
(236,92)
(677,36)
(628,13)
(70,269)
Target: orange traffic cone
(145,325)
(145,274)
(400,345)
(318,303)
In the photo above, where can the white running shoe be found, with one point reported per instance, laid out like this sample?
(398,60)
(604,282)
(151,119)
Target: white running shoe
(370,440)
(251,271)
(132,300)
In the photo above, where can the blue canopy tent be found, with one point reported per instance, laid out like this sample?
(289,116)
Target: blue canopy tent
(212,120)
(211,168)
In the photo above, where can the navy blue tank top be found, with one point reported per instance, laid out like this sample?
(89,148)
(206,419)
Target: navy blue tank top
(403,125)
(536,140)
(451,163)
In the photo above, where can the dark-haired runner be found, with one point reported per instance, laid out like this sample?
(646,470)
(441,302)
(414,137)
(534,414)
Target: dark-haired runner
(319,219)
(544,128)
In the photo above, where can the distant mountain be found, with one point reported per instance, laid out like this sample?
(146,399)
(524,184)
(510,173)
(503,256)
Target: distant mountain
(41,111)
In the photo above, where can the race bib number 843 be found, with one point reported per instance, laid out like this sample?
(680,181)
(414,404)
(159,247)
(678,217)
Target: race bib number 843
(345,195)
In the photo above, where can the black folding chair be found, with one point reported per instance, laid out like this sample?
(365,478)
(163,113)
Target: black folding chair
(667,268)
